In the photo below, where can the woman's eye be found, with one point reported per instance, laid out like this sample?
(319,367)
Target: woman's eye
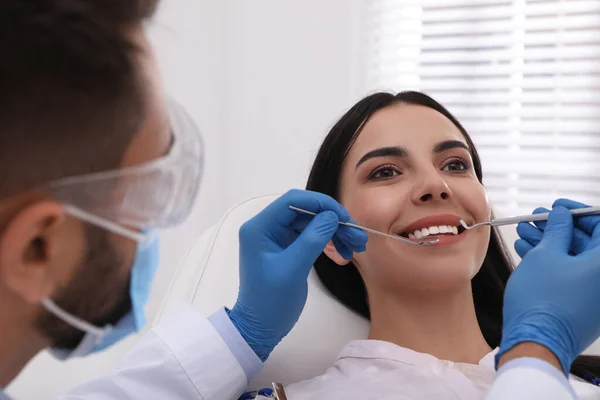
(456,166)
(384,173)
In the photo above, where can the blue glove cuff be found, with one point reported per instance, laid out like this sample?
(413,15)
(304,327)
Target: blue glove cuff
(544,329)
(262,348)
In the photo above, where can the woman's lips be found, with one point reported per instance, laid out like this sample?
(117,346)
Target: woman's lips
(438,221)
(446,227)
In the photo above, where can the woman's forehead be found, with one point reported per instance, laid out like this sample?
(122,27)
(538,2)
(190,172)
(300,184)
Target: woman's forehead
(411,126)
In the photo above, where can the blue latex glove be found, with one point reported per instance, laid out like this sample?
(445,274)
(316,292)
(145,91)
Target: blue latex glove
(552,297)
(582,234)
(277,250)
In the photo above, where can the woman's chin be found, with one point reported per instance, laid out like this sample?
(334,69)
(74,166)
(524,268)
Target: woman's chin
(443,275)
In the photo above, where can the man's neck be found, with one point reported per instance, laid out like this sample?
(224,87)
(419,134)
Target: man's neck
(19,342)
(441,324)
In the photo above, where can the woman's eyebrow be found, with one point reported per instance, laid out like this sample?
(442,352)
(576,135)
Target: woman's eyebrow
(450,144)
(399,151)
(395,151)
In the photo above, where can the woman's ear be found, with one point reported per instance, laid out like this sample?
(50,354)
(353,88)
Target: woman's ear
(332,253)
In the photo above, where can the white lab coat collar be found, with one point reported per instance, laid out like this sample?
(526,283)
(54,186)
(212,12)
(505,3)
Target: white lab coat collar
(378,349)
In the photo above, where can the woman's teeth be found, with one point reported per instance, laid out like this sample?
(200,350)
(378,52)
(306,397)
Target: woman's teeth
(433,230)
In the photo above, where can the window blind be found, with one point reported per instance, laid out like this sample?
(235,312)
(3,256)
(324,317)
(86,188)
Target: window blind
(523,76)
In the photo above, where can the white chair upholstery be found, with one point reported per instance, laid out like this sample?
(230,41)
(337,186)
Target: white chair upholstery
(208,278)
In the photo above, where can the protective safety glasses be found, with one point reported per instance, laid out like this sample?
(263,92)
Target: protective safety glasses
(159,193)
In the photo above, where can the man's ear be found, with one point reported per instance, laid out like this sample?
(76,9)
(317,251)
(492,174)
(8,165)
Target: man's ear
(332,253)
(30,248)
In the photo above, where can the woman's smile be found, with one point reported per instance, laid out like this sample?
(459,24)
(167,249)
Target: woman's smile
(446,227)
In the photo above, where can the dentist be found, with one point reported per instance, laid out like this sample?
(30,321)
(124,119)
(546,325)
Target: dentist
(96,160)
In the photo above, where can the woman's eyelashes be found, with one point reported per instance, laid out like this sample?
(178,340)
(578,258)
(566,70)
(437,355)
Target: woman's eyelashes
(456,165)
(384,172)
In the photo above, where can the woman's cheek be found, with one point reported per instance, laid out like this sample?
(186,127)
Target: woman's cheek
(377,209)
(478,205)
(475,201)
(486,200)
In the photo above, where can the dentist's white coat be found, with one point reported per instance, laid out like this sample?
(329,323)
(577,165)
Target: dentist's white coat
(185,358)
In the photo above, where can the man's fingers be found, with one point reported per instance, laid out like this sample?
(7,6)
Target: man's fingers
(522,247)
(570,204)
(559,230)
(355,238)
(311,242)
(589,224)
(342,249)
(540,224)
(314,202)
(530,233)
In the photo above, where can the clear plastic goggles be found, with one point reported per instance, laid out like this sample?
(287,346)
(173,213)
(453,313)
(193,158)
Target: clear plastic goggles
(159,193)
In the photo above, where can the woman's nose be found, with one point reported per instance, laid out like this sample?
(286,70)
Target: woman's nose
(431,187)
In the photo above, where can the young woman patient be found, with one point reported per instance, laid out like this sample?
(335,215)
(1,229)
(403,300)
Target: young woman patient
(402,164)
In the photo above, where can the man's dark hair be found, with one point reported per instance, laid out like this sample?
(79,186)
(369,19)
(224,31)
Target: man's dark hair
(72,91)
(72,98)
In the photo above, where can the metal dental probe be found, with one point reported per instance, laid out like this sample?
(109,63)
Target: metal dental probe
(426,241)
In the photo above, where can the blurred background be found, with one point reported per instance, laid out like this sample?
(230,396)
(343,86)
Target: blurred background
(266,79)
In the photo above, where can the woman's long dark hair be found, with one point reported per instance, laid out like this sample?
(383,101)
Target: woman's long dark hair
(346,283)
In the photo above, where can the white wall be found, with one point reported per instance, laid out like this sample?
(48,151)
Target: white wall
(292,68)
(264,80)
